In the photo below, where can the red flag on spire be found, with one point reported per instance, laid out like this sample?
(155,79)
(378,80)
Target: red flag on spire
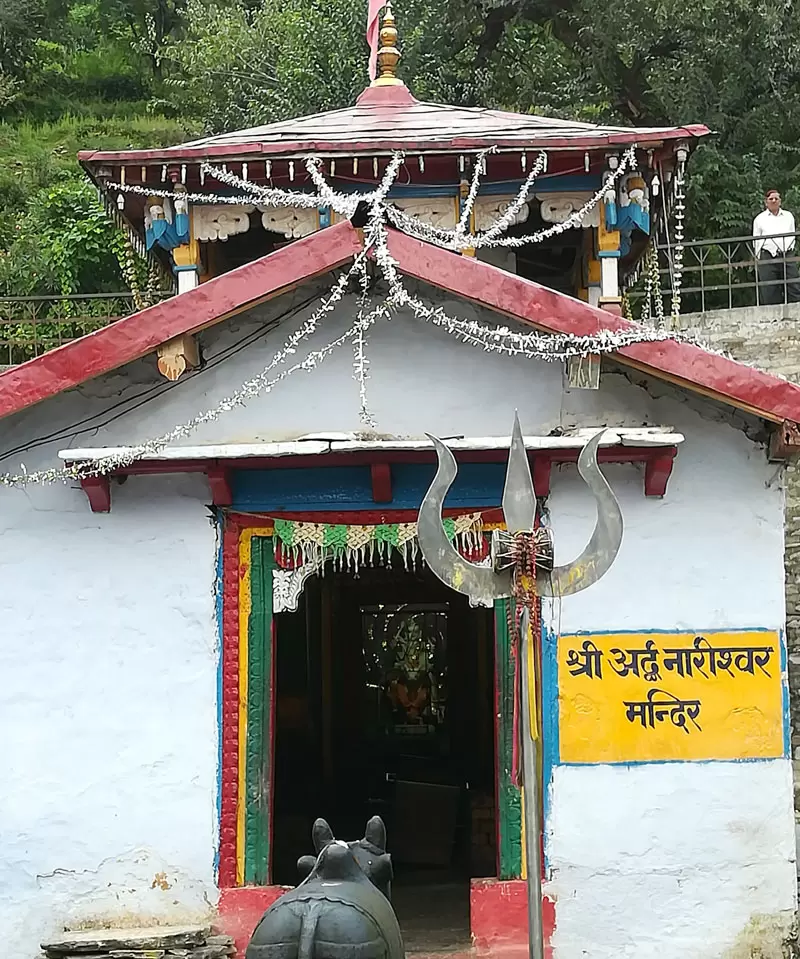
(373,32)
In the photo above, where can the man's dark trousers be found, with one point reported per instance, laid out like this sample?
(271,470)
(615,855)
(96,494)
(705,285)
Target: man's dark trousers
(771,270)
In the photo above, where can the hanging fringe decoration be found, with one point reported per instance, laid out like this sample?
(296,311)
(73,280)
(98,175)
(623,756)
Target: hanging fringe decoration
(522,557)
(352,548)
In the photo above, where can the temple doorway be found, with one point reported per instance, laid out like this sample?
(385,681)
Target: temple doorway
(385,705)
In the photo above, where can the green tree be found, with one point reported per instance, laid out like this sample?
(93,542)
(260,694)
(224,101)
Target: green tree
(732,65)
(63,244)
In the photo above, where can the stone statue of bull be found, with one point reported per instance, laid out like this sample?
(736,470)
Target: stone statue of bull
(340,910)
(370,853)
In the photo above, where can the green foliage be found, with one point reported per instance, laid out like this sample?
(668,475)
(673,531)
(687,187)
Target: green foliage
(731,65)
(78,74)
(65,242)
(54,235)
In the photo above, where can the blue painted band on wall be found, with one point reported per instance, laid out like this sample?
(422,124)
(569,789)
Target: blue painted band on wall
(787,716)
(350,488)
(550,743)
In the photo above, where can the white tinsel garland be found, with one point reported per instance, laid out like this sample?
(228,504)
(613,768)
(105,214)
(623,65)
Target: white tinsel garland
(677,275)
(492,237)
(287,199)
(475,185)
(499,339)
(360,361)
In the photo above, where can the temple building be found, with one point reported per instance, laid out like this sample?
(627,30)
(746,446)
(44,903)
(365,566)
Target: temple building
(219,626)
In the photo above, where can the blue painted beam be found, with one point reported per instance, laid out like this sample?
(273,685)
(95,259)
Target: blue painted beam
(350,488)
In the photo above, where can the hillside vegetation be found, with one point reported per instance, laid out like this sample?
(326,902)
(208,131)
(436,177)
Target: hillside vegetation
(141,73)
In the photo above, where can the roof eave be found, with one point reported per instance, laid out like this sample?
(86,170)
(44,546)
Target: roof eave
(300,148)
(134,336)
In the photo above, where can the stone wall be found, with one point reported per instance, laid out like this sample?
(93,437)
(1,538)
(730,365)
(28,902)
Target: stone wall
(769,337)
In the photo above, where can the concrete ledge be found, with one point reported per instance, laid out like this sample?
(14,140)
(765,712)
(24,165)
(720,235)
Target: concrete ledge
(764,337)
(745,316)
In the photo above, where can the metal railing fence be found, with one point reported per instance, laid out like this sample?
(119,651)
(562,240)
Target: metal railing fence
(32,325)
(722,274)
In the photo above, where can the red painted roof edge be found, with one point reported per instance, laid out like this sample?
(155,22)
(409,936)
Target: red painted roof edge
(293,148)
(134,336)
(691,366)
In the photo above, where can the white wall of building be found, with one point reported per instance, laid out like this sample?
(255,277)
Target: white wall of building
(107,711)
(110,651)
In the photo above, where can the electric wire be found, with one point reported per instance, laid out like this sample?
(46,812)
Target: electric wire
(155,391)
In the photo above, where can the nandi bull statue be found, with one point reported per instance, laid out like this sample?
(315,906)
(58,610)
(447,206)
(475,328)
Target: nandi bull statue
(341,908)
(521,567)
(369,852)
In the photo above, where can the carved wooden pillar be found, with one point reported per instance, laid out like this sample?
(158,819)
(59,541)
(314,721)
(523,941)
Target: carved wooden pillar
(187,264)
(608,251)
(181,354)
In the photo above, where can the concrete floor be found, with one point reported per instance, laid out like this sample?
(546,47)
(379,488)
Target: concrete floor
(433,916)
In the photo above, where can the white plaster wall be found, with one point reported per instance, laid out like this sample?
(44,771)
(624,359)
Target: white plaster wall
(421,380)
(672,860)
(109,653)
(107,710)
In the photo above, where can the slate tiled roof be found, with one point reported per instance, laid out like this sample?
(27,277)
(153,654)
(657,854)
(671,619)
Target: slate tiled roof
(389,118)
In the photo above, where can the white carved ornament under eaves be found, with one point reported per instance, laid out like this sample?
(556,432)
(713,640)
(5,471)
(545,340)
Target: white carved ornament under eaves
(559,207)
(489,209)
(436,212)
(218,222)
(292,222)
(287,586)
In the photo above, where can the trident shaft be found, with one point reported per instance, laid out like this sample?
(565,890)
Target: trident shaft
(503,578)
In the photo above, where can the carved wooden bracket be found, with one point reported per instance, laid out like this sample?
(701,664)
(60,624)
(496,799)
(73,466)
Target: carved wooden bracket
(178,355)
(98,492)
(784,441)
(658,462)
(583,372)
(381,482)
(219,482)
(657,471)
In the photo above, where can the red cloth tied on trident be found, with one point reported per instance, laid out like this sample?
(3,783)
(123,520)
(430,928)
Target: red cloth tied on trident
(373,32)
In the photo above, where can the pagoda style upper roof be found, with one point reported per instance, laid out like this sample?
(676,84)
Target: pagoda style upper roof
(388,118)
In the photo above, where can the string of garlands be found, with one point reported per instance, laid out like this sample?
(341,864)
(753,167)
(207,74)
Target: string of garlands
(345,204)
(680,214)
(653,302)
(500,340)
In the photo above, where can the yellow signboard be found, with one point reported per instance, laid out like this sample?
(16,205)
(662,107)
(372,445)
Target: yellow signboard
(637,697)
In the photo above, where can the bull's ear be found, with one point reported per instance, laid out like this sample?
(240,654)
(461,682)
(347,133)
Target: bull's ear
(375,833)
(304,866)
(321,834)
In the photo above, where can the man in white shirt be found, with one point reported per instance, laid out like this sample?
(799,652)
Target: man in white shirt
(778,280)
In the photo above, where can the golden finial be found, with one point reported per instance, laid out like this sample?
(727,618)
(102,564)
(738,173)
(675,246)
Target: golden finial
(388,54)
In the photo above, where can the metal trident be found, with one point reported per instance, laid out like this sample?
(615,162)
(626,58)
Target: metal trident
(485,584)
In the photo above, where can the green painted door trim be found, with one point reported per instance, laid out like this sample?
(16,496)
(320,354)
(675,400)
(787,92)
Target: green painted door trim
(509,805)
(260,709)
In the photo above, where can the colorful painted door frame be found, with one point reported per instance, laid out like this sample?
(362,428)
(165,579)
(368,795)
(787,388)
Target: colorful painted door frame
(247,710)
